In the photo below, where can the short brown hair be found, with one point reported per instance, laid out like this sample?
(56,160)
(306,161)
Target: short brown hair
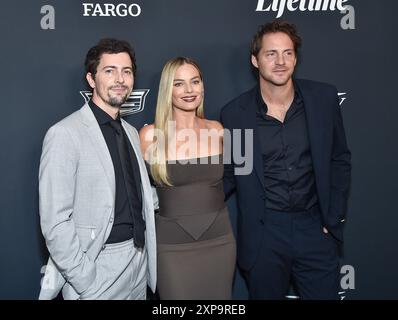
(272,27)
(108,45)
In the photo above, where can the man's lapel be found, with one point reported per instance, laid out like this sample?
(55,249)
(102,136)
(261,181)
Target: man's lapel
(315,124)
(99,145)
(145,184)
(135,144)
(249,122)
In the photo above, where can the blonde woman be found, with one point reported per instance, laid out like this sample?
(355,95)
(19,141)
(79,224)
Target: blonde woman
(196,246)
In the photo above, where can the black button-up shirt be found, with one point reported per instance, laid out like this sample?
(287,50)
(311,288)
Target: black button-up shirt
(122,229)
(287,163)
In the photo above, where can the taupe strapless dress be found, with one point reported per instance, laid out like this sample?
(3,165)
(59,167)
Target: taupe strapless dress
(196,246)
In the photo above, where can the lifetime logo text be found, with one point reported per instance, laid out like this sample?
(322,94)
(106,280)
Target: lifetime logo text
(301,5)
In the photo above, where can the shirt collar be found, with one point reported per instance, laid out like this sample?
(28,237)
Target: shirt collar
(262,106)
(101,116)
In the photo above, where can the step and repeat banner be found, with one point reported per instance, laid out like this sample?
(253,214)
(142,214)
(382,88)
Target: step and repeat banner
(349,43)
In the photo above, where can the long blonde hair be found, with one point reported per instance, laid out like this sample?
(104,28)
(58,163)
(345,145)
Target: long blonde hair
(164,114)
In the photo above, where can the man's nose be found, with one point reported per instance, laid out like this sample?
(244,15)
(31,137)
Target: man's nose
(280,59)
(119,77)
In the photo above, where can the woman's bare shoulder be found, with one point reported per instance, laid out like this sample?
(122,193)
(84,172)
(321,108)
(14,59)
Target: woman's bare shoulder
(147,133)
(213,124)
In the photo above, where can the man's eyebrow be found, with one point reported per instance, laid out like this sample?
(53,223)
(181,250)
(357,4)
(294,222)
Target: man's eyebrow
(274,50)
(114,67)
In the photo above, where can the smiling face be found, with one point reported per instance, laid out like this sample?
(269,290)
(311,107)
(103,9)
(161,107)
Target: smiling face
(113,81)
(188,89)
(276,60)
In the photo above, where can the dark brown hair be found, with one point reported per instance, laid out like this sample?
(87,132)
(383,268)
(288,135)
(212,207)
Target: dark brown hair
(107,45)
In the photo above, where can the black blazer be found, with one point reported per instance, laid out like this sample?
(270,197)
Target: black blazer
(331,162)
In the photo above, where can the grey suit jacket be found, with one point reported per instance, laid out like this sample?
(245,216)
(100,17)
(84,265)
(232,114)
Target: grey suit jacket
(77,196)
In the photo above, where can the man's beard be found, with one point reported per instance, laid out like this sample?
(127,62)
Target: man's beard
(117,101)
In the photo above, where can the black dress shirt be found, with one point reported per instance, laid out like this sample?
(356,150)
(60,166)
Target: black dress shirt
(288,172)
(122,229)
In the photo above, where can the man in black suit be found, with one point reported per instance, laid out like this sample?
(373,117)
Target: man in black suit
(293,203)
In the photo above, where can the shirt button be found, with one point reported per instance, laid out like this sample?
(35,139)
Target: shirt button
(290,168)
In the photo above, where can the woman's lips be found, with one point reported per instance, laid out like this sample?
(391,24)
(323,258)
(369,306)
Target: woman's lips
(189,99)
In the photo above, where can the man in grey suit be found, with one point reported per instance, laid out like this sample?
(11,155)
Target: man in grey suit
(96,202)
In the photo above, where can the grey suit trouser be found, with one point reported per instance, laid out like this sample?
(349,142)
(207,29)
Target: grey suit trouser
(121,275)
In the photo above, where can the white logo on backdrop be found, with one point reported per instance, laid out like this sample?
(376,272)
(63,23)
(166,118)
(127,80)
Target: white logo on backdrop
(135,102)
(342,97)
(280,6)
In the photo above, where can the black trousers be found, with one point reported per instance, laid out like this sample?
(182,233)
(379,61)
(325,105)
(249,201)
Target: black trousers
(295,251)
